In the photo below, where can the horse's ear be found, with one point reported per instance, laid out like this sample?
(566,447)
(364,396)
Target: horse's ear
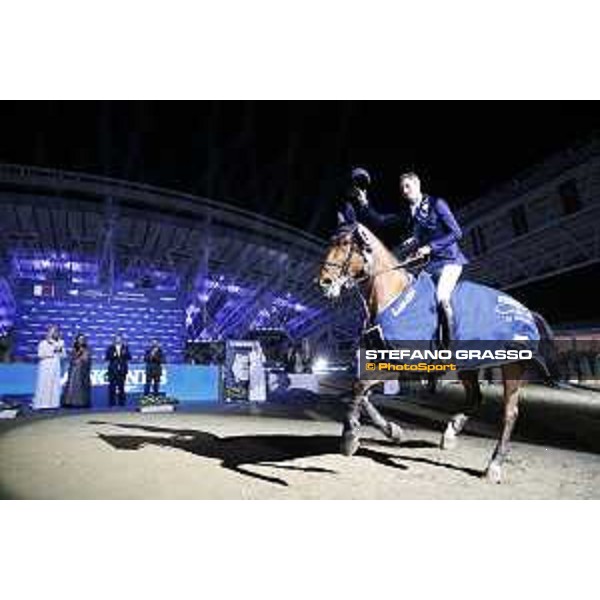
(343,230)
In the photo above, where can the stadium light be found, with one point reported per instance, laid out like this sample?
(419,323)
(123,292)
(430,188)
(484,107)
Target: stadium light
(320,365)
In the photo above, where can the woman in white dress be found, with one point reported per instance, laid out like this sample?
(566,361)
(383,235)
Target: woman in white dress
(50,351)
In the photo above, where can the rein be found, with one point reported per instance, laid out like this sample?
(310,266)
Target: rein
(354,282)
(405,263)
(345,264)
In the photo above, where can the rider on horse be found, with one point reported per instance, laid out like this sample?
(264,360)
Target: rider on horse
(435,234)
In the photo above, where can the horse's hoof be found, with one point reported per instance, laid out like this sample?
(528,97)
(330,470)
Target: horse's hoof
(493,473)
(448,442)
(396,434)
(350,444)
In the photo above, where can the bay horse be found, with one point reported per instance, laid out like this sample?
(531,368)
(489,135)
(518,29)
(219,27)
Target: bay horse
(357,259)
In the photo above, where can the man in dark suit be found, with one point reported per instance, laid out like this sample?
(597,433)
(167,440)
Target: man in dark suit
(118,357)
(154,359)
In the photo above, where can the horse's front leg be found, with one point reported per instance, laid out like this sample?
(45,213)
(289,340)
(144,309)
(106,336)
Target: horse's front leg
(388,428)
(512,375)
(361,403)
(351,428)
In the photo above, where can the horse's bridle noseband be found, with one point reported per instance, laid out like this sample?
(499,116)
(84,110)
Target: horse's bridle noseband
(358,244)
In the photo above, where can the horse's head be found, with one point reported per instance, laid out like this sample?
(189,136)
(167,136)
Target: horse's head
(347,260)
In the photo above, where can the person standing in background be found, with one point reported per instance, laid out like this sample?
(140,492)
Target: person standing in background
(118,357)
(6,345)
(77,392)
(154,359)
(50,351)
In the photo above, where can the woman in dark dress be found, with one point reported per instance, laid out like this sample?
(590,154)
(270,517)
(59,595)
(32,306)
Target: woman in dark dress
(77,392)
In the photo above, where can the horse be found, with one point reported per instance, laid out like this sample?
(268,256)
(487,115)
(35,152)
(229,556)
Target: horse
(357,260)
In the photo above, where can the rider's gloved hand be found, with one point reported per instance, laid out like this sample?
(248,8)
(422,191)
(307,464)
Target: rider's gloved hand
(423,252)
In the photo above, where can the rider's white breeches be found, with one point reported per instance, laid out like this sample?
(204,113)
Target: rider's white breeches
(447,281)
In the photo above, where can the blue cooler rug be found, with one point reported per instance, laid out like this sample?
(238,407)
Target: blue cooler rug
(484,318)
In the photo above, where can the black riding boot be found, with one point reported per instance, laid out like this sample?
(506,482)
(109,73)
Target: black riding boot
(446,324)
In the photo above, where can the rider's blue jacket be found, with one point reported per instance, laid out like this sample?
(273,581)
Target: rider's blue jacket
(433,224)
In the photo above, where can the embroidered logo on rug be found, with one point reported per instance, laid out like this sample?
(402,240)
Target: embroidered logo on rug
(410,295)
(509,309)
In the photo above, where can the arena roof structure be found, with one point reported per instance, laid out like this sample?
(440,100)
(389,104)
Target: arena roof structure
(238,270)
(543,223)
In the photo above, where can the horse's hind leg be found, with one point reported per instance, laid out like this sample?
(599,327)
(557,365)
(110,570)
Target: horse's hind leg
(512,376)
(457,423)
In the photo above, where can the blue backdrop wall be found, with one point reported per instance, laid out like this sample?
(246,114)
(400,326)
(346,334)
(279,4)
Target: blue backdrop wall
(140,315)
(188,383)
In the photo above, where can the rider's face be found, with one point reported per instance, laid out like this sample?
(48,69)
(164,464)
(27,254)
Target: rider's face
(410,188)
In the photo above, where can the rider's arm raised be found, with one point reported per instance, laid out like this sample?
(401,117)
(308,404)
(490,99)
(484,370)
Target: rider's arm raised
(368,215)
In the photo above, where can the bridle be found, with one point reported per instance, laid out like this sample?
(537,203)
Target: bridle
(360,244)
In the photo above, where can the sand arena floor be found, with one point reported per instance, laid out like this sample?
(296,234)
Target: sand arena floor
(274,452)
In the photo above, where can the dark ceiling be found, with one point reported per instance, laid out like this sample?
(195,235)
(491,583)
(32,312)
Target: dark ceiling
(287,159)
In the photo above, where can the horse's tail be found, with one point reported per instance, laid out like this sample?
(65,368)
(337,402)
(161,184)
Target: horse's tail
(547,347)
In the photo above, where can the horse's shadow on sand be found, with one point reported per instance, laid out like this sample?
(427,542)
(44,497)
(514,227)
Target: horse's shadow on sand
(239,453)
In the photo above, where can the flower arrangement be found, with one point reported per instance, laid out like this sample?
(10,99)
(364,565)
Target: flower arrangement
(8,405)
(9,410)
(149,400)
